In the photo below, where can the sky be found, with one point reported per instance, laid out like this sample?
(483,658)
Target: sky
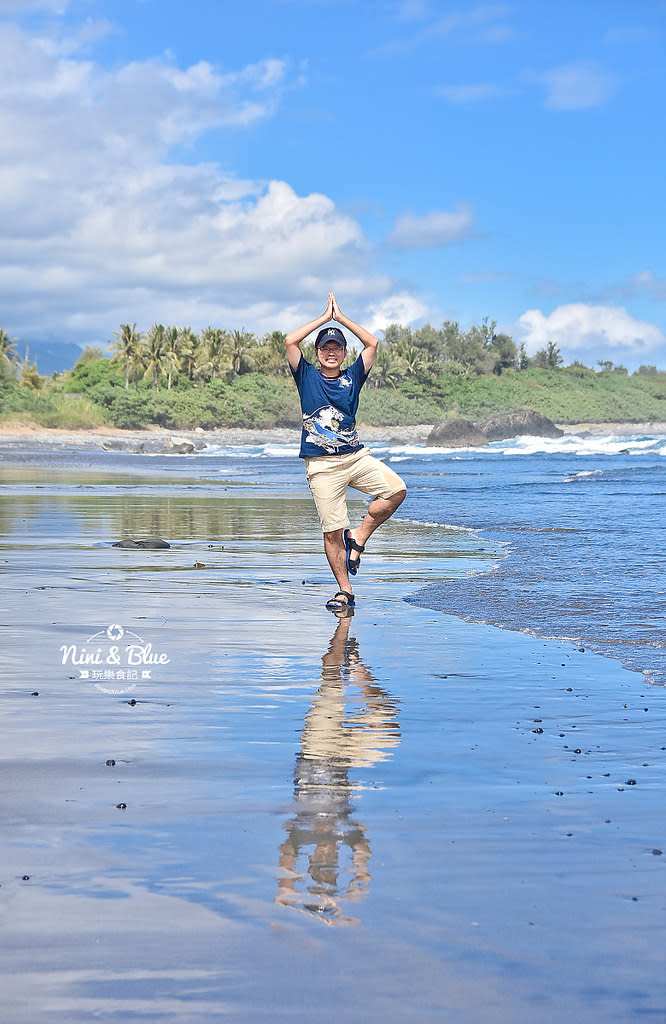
(225,163)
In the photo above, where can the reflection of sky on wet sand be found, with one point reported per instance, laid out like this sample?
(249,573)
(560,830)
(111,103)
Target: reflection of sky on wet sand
(480,894)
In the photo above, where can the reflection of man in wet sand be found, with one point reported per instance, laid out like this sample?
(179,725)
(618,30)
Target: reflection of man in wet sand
(352,723)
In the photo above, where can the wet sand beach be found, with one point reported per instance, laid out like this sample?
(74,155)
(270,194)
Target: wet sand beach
(223,803)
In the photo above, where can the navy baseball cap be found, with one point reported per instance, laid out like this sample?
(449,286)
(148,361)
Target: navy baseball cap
(333,334)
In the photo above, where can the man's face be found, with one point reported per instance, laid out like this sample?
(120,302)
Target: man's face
(331,356)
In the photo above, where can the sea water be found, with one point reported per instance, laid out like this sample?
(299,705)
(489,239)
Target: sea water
(582,524)
(572,529)
(578,524)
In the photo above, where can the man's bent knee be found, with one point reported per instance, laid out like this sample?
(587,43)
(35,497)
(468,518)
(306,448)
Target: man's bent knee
(397,497)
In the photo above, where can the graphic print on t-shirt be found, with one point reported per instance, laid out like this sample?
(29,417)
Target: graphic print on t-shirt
(324,428)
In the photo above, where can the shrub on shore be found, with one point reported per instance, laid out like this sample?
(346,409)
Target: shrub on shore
(176,379)
(45,409)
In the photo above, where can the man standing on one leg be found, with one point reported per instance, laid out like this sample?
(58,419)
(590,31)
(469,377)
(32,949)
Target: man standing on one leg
(334,457)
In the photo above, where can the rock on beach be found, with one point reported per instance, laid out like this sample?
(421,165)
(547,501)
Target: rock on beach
(152,544)
(461,433)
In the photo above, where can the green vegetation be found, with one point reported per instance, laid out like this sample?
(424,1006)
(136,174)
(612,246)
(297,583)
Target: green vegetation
(172,377)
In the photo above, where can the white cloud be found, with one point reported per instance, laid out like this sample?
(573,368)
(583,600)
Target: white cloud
(397,309)
(579,329)
(433,230)
(97,226)
(577,86)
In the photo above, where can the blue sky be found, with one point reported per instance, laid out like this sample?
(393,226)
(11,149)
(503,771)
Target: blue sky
(230,163)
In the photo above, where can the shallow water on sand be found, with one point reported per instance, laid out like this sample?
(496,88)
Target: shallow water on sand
(582,523)
(395,815)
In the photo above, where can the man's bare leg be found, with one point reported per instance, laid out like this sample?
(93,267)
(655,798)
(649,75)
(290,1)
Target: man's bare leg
(379,510)
(336,553)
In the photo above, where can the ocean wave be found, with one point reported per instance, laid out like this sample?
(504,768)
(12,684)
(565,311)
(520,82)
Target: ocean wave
(250,451)
(568,444)
(440,526)
(585,474)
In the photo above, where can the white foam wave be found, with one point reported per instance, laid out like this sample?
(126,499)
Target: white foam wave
(573,444)
(250,451)
(454,453)
(568,444)
(585,473)
(394,451)
(280,451)
(439,526)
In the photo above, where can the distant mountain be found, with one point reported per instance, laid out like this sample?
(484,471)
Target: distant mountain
(50,356)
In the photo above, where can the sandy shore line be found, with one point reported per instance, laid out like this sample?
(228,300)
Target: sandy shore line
(227,435)
(405,434)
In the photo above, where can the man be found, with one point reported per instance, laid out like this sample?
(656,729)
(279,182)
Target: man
(334,457)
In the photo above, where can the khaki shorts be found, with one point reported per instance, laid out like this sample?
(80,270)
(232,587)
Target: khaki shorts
(329,476)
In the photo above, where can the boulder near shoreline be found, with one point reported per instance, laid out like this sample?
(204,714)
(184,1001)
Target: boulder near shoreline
(461,433)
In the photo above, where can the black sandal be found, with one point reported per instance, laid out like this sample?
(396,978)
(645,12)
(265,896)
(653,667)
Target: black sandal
(351,545)
(336,605)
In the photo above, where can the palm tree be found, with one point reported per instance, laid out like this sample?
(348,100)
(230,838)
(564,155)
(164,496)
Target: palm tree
(270,357)
(188,350)
(172,356)
(385,369)
(412,359)
(8,353)
(8,357)
(213,343)
(127,348)
(155,353)
(241,343)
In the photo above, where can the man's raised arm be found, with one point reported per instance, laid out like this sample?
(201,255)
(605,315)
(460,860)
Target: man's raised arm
(367,339)
(295,338)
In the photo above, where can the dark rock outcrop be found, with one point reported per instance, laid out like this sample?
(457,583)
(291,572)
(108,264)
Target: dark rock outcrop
(179,446)
(515,424)
(456,434)
(156,445)
(154,544)
(461,433)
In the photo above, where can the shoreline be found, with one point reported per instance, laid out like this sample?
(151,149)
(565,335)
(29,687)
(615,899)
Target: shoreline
(411,433)
(222,435)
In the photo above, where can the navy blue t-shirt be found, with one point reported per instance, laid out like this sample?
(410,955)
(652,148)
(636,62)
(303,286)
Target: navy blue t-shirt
(329,408)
